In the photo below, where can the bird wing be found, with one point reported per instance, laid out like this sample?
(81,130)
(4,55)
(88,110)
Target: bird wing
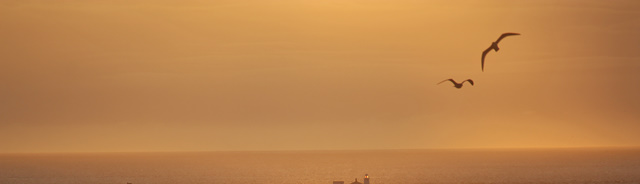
(484,53)
(505,35)
(470,81)
(447,80)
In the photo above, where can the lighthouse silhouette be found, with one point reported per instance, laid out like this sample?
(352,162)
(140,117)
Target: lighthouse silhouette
(366,178)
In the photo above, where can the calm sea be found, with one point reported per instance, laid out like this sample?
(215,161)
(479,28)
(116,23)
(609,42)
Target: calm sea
(323,167)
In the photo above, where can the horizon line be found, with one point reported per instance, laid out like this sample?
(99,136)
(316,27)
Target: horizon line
(314,150)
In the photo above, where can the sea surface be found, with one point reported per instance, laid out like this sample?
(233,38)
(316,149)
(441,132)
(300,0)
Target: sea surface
(576,165)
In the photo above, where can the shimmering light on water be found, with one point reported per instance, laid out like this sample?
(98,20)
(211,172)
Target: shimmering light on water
(323,167)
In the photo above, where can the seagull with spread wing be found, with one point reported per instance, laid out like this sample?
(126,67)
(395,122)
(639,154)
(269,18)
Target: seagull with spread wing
(458,85)
(494,46)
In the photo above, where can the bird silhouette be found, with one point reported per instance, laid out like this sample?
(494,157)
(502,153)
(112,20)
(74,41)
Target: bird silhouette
(457,85)
(494,46)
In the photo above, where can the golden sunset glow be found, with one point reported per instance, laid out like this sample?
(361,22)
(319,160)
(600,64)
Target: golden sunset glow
(142,75)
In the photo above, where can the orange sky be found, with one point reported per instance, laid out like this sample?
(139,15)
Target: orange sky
(196,75)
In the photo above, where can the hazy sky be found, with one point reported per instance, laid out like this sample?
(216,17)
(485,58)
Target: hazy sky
(200,75)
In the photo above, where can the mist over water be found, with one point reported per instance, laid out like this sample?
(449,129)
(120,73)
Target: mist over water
(323,167)
(137,77)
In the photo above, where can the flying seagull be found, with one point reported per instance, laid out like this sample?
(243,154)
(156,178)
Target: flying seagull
(457,85)
(494,46)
